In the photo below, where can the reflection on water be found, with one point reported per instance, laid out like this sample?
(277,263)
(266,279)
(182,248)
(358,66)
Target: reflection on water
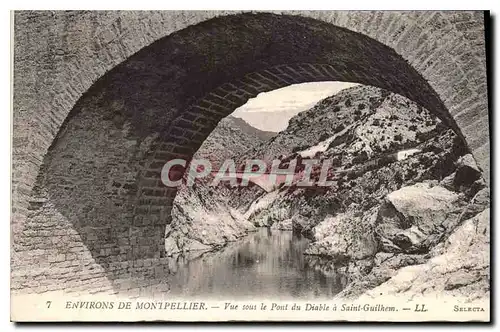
(268,263)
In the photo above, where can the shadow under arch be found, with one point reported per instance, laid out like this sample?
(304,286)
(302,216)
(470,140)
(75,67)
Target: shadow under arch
(102,172)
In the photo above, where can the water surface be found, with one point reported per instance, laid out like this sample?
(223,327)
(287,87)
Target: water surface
(267,263)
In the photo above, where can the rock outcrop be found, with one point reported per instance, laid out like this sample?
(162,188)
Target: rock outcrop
(404,186)
(202,217)
(202,220)
(347,236)
(415,218)
(462,270)
(405,191)
(376,146)
(439,236)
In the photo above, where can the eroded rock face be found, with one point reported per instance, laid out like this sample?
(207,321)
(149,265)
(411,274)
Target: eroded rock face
(403,188)
(467,172)
(383,267)
(462,270)
(467,177)
(376,147)
(347,236)
(203,222)
(414,218)
(401,192)
(441,234)
(283,225)
(203,218)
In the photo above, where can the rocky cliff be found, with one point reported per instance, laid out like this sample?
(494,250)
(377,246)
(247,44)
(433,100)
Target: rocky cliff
(202,218)
(403,185)
(404,192)
(376,142)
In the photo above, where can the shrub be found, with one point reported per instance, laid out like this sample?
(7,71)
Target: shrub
(362,157)
(413,128)
(398,137)
(300,148)
(426,161)
(398,178)
(348,102)
(393,146)
(441,127)
(324,136)
(339,128)
(336,162)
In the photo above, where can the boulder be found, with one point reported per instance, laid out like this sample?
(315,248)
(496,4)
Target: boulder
(410,237)
(461,271)
(467,178)
(449,182)
(467,172)
(303,225)
(283,225)
(201,222)
(423,202)
(415,218)
(271,215)
(385,266)
(346,236)
(478,203)
(171,246)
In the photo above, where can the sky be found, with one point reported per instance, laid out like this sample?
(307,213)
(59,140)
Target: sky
(270,111)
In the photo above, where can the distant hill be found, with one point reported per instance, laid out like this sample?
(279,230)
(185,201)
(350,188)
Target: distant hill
(357,120)
(247,128)
(232,137)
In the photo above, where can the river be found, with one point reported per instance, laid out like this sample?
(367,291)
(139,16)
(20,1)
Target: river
(267,263)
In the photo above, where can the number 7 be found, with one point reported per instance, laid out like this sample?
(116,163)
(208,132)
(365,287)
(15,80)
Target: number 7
(48,303)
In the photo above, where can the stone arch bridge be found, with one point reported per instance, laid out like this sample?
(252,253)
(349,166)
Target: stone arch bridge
(103,99)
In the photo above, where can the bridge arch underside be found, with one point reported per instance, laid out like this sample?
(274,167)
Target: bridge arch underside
(98,200)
